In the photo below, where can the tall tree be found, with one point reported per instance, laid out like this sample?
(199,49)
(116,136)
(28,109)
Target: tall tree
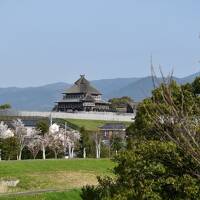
(20,132)
(5,135)
(33,141)
(85,142)
(43,127)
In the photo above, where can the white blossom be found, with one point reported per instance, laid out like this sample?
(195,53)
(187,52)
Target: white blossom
(8,133)
(5,132)
(54,128)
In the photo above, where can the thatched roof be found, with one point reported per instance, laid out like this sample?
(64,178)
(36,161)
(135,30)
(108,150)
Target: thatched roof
(82,86)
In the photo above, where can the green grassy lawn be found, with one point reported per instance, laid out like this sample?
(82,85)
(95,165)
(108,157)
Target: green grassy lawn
(53,174)
(92,125)
(69,195)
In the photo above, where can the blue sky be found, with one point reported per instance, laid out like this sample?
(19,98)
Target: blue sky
(46,41)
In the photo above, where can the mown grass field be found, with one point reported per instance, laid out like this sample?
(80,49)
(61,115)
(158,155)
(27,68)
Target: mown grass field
(69,195)
(35,175)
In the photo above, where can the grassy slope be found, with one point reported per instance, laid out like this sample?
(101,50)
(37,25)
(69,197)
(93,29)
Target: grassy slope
(54,174)
(91,125)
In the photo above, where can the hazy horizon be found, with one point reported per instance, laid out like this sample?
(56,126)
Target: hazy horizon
(44,42)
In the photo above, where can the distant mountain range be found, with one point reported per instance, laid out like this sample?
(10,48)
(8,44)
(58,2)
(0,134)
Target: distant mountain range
(43,98)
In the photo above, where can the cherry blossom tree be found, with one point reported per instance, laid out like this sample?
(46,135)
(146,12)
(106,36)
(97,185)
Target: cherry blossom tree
(55,144)
(62,139)
(5,132)
(20,132)
(33,141)
(72,138)
(44,140)
(42,126)
(55,139)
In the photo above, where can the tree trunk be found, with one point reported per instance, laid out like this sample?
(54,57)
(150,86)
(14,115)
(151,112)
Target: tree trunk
(69,148)
(43,152)
(84,153)
(99,148)
(56,155)
(20,155)
(65,152)
(97,152)
(72,154)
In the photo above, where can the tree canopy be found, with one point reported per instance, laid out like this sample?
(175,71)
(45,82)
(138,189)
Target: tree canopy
(120,102)
(162,156)
(5,106)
